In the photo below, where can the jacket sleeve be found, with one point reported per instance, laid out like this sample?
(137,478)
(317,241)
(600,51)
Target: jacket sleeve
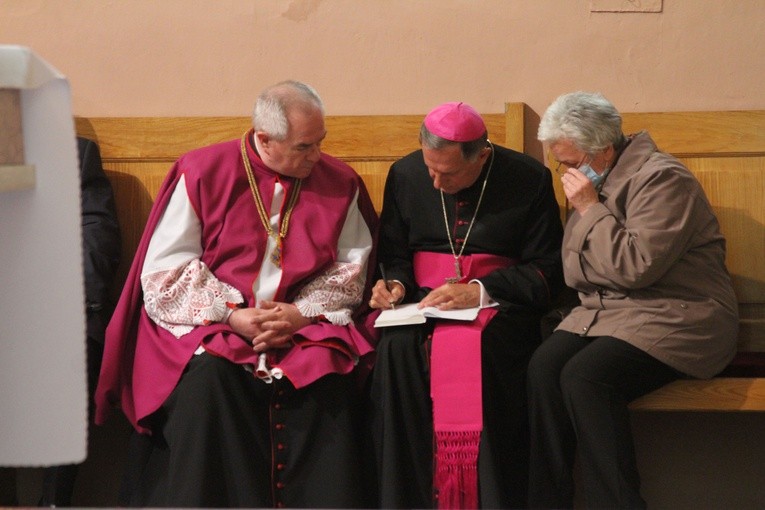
(633,249)
(100,228)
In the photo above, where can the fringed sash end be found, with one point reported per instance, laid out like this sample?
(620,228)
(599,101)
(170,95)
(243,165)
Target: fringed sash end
(456,475)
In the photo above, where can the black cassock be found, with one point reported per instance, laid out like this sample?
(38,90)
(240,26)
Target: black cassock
(518,218)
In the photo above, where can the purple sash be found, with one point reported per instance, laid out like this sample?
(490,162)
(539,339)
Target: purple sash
(455,380)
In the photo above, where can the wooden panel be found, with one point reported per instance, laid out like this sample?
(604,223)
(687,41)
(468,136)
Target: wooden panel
(135,187)
(702,133)
(735,187)
(157,138)
(386,137)
(360,137)
(560,196)
(721,394)
(11,132)
(751,335)
(374,174)
(515,120)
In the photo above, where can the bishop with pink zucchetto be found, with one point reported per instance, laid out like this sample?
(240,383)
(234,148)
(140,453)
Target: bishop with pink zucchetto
(465,224)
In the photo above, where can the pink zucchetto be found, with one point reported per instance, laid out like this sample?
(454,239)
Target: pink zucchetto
(458,122)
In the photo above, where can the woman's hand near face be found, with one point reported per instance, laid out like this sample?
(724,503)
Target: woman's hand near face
(579,190)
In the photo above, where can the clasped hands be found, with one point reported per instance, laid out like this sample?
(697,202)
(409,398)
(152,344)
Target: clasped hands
(450,296)
(270,326)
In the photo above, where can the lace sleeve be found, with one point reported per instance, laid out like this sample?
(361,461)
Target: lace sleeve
(333,294)
(187,296)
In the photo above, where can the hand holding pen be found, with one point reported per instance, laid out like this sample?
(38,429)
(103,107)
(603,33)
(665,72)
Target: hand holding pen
(386,293)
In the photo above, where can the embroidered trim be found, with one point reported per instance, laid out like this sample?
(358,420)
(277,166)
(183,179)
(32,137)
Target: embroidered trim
(333,294)
(181,298)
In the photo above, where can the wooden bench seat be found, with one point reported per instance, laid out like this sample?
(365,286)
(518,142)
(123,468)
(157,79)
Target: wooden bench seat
(717,394)
(725,150)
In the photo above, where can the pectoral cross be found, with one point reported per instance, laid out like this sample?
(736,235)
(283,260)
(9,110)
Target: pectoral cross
(276,254)
(457,272)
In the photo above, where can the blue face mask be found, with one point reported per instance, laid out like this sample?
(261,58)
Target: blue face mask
(595,178)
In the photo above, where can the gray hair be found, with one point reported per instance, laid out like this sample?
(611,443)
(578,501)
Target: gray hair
(588,119)
(274,103)
(470,150)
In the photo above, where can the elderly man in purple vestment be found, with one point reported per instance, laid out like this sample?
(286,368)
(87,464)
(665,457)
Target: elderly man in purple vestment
(465,223)
(239,339)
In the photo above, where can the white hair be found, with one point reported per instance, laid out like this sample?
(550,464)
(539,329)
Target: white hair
(588,119)
(274,103)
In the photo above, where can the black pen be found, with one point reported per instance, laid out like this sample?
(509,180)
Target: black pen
(385,280)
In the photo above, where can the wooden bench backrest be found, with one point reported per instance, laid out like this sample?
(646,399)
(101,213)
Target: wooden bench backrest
(725,150)
(137,152)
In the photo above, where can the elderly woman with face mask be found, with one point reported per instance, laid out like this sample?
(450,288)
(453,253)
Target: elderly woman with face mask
(644,251)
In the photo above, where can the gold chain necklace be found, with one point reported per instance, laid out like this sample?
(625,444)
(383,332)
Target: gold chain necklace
(276,255)
(457,256)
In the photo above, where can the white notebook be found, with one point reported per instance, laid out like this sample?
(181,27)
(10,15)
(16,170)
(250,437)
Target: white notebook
(410,314)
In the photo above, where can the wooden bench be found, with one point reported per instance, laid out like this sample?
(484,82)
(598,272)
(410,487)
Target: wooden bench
(725,150)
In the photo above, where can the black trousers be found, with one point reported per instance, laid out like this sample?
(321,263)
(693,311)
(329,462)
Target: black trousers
(226,439)
(579,389)
(403,419)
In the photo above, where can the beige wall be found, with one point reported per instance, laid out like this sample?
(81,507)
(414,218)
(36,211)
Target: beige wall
(181,57)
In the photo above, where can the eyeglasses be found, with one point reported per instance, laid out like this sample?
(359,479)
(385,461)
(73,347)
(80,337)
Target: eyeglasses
(566,166)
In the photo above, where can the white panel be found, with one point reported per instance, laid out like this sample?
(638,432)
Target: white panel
(43,388)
